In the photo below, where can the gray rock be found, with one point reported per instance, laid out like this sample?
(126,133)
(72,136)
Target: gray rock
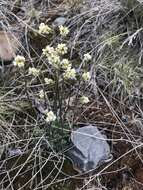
(90,149)
(59,21)
(14,152)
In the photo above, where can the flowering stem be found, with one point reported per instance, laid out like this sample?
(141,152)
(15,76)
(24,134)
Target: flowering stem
(58,99)
(25,85)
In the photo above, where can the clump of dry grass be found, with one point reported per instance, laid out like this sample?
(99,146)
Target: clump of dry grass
(103,31)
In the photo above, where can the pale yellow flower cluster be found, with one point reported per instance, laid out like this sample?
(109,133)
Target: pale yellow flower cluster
(63,30)
(84,100)
(44,29)
(50,116)
(54,60)
(48,51)
(70,73)
(86,76)
(65,64)
(19,61)
(87,57)
(33,71)
(48,81)
(53,54)
(61,49)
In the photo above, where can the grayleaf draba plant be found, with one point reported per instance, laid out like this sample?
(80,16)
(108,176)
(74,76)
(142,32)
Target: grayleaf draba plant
(61,80)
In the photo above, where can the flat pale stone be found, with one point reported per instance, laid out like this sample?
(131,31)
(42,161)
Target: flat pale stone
(90,148)
(59,21)
(8,46)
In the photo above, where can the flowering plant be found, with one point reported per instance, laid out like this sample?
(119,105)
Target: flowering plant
(59,76)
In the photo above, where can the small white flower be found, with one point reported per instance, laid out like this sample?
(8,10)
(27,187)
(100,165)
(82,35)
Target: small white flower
(52,55)
(41,94)
(33,71)
(87,57)
(54,59)
(63,30)
(19,61)
(65,64)
(48,51)
(50,116)
(61,49)
(44,29)
(70,73)
(86,76)
(84,100)
(48,81)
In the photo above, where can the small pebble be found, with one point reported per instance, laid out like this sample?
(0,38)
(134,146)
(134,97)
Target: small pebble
(59,21)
